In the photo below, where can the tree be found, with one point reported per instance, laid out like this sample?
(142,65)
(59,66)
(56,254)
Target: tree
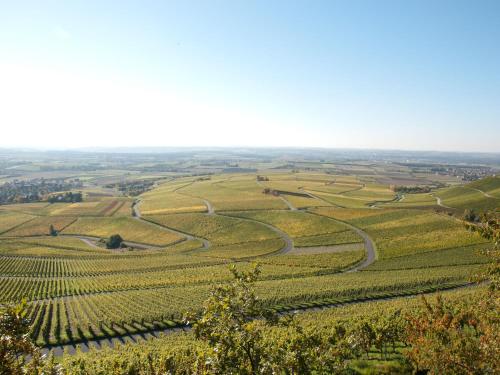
(14,339)
(114,242)
(52,230)
(470,216)
(363,337)
(245,338)
(455,337)
(461,337)
(488,227)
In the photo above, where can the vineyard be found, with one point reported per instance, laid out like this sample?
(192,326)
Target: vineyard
(167,346)
(182,235)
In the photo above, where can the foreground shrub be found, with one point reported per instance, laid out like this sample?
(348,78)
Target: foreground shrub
(455,337)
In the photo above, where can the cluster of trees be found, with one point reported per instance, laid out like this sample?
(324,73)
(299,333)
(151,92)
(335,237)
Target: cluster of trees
(262,178)
(20,191)
(53,231)
(204,178)
(114,242)
(133,188)
(66,197)
(410,189)
(471,216)
(270,191)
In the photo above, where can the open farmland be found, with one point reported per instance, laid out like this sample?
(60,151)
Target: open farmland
(310,236)
(113,313)
(322,321)
(10,220)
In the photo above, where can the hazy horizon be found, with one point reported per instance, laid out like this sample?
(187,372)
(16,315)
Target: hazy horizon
(409,76)
(167,149)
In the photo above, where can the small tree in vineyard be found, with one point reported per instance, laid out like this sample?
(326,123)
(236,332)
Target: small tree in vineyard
(239,334)
(114,242)
(52,230)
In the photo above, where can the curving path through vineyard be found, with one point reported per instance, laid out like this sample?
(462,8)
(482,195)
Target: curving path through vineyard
(210,208)
(370,247)
(483,192)
(91,241)
(440,203)
(284,236)
(289,204)
(187,236)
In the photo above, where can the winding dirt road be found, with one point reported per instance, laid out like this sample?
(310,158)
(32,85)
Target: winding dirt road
(289,204)
(483,192)
(284,236)
(92,241)
(439,203)
(138,216)
(210,208)
(371,254)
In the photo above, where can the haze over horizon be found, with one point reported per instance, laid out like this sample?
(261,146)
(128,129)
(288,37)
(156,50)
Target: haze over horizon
(415,75)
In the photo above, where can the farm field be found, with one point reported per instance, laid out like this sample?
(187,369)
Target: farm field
(489,186)
(406,232)
(463,197)
(233,194)
(186,230)
(39,226)
(133,230)
(10,220)
(230,237)
(412,201)
(304,228)
(340,200)
(166,199)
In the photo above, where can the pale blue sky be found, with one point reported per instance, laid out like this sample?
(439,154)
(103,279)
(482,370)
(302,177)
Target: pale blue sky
(370,74)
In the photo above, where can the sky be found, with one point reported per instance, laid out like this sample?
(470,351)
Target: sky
(409,75)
